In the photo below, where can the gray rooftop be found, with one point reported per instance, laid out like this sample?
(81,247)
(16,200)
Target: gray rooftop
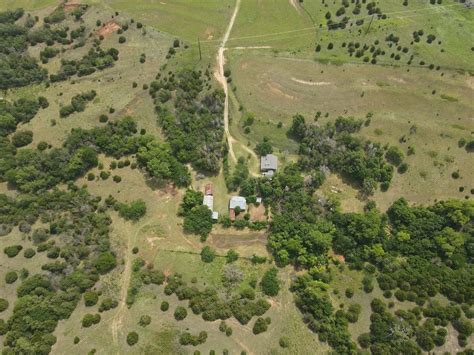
(268,162)
(238,201)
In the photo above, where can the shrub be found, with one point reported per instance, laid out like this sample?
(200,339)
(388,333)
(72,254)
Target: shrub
(108,304)
(260,326)
(42,146)
(134,211)
(394,155)
(3,327)
(132,338)
(349,292)
(22,138)
(76,340)
(208,254)
(29,253)
(90,298)
(232,256)
(270,285)
(164,306)
(105,262)
(122,39)
(117,178)
(284,342)
(12,250)
(90,319)
(3,304)
(180,313)
(144,320)
(11,277)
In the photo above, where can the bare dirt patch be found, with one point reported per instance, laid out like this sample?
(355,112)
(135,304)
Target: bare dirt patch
(257,213)
(109,28)
(311,83)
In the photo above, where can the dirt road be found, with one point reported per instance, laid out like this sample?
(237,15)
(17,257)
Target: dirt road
(220,77)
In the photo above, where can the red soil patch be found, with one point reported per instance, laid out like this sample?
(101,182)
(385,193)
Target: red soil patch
(108,28)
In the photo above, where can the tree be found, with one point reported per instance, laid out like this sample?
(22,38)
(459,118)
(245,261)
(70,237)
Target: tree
(11,277)
(264,147)
(198,221)
(232,256)
(22,138)
(180,313)
(90,298)
(164,306)
(394,155)
(132,338)
(260,326)
(134,211)
(144,320)
(105,262)
(208,254)
(270,284)
(12,250)
(3,304)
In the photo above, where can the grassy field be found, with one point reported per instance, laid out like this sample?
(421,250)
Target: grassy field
(435,106)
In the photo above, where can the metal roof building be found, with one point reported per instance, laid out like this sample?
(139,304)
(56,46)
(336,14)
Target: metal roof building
(208,201)
(239,201)
(268,162)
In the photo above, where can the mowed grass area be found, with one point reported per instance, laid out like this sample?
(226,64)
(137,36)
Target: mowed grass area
(432,110)
(26,4)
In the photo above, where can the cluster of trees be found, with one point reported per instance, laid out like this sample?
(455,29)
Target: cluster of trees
(405,331)
(78,103)
(188,339)
(404,242)
(211,306)
(82,253)
(333,146)
(197,217)
(192,122)
(142,276)
(19,111)
(17,68)
(95,59)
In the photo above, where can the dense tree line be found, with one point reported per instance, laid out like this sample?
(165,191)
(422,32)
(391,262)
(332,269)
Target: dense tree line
(190,114)
(19,111)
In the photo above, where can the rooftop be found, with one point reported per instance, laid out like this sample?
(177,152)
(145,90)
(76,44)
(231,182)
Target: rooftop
(268,162)
(208,201)
(239,201)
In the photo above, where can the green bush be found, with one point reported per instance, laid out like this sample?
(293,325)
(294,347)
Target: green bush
(12,250)
(90,298)
(132,338)
(144,320)
(260,326)
(90,319)
(164,306)
(105,262)
(180,313)
(22,138)
(11,277)
(108,304)
(3,304)
(270,284)
(208,254)
(284,342)
(29,253)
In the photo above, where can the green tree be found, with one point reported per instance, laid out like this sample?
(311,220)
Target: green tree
(208,254)
(180,313)
(270,284)
(132,338)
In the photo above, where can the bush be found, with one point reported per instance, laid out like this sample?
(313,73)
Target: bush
(3,304)
(3,327)
(132,338)
(394,155)
(105,262)
(180,313)
(134,211)
(207,254)
(270,285)
(144,320)
(90,319)
(349,292)
(117,178)
(108,304)
(232,256)
(76,340)
(260,326)
(42,146)
(11,277)
(122,39)
(22,138)
(164,306)
(12,250)
(90,298)
(29,253)
(284,342)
